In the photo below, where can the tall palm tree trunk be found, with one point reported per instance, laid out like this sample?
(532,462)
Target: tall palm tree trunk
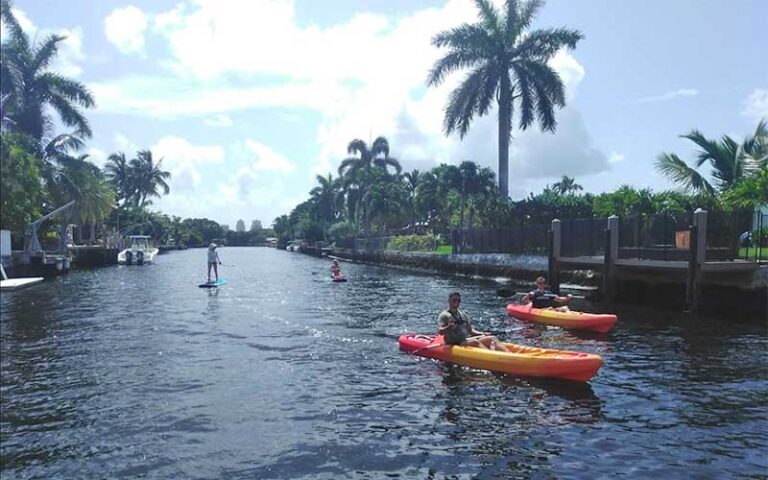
(505,121)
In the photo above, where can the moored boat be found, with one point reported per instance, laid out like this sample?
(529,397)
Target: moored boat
(139,253)
(520,360)
(596,322)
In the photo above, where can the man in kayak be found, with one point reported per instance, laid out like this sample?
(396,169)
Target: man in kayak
(543,297)
(213,261)
(456,328)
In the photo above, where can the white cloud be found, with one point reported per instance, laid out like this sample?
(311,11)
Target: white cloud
(125,28)
(616,157)
(170,97)
(184,160)
(682,92)
(219,120)
(97,156)
(264,159)
(374,85)
(123,144)
(756,105)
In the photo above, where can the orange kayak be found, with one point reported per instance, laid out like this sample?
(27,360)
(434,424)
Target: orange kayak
(596,322)
(520,360)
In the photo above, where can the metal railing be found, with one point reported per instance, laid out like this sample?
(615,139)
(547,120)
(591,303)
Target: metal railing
(661,236)
(740,234)
(527,240)
(755,246)
(583,237)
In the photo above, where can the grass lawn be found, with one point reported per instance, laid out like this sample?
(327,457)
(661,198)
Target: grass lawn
(752,252)
(444,250)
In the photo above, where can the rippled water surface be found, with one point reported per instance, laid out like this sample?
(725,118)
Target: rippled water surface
(128,372)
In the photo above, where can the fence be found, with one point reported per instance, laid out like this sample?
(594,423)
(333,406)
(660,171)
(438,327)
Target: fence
(737,235)
(528,240)
(661,236)
(583,237)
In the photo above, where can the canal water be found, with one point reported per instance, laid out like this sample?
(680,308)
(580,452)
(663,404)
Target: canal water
(134,372)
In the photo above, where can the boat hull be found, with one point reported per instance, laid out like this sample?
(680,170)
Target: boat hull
(520,360)
(595,322)
(129,257)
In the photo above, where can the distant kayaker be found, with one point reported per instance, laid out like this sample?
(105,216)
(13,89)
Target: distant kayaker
(335,269)
(213,261)
(543,297)
(455,327)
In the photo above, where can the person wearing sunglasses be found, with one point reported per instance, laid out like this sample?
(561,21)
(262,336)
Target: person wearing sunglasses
(543,297)
(456,329)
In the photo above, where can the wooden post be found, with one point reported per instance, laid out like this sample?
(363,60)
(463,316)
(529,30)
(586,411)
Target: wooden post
(699,256)
(611,254)
(555,248)
(693,264)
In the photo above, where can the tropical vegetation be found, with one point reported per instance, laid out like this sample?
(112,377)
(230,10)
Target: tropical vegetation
(509,68)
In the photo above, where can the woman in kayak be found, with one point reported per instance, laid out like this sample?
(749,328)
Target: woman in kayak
(455,327)
(335,269)
(213,261)
(543,297)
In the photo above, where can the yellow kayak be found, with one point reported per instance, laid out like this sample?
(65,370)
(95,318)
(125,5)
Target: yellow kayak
(597,322)
(520,360)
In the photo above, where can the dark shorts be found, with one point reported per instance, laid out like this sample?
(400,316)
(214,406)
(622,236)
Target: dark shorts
(454,340)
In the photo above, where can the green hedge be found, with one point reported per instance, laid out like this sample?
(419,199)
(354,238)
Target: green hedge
(414,243)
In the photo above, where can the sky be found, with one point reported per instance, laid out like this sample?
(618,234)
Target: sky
(246,101)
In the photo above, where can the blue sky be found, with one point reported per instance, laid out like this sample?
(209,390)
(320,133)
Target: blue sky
(247,101)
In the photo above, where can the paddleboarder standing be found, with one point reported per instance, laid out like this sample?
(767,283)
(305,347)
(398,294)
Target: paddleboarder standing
(213,261)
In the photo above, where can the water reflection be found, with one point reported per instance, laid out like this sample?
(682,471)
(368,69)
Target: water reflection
(128,372)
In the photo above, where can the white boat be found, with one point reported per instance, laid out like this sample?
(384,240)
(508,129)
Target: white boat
(16,283)
(139,253)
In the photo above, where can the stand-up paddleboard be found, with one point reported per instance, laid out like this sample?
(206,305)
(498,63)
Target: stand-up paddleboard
(213,284)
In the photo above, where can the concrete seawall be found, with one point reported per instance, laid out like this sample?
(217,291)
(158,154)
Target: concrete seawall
(729,295)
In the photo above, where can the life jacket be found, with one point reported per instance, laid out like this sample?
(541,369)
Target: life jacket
(541,299)
(460,332)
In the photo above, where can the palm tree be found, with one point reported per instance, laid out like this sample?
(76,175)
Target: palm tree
(566,185)
(509,66)
(78,179)
(149,177)
(324,197)
(29,89)
(359,171)
(412,181)
(118,172)
(730,161)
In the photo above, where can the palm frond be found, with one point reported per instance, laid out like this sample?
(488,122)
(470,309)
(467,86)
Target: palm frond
(71,90)
(17,34)
(44,54)
(490,17)
(70,115)
(543,44)
(380,146)
(674,168)
(710,149)
(463,102)
(357,146)
(526,12)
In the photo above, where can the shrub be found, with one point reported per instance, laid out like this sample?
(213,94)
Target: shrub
(413,243)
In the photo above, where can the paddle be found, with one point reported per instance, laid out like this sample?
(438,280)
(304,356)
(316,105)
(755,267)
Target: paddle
(503,292)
